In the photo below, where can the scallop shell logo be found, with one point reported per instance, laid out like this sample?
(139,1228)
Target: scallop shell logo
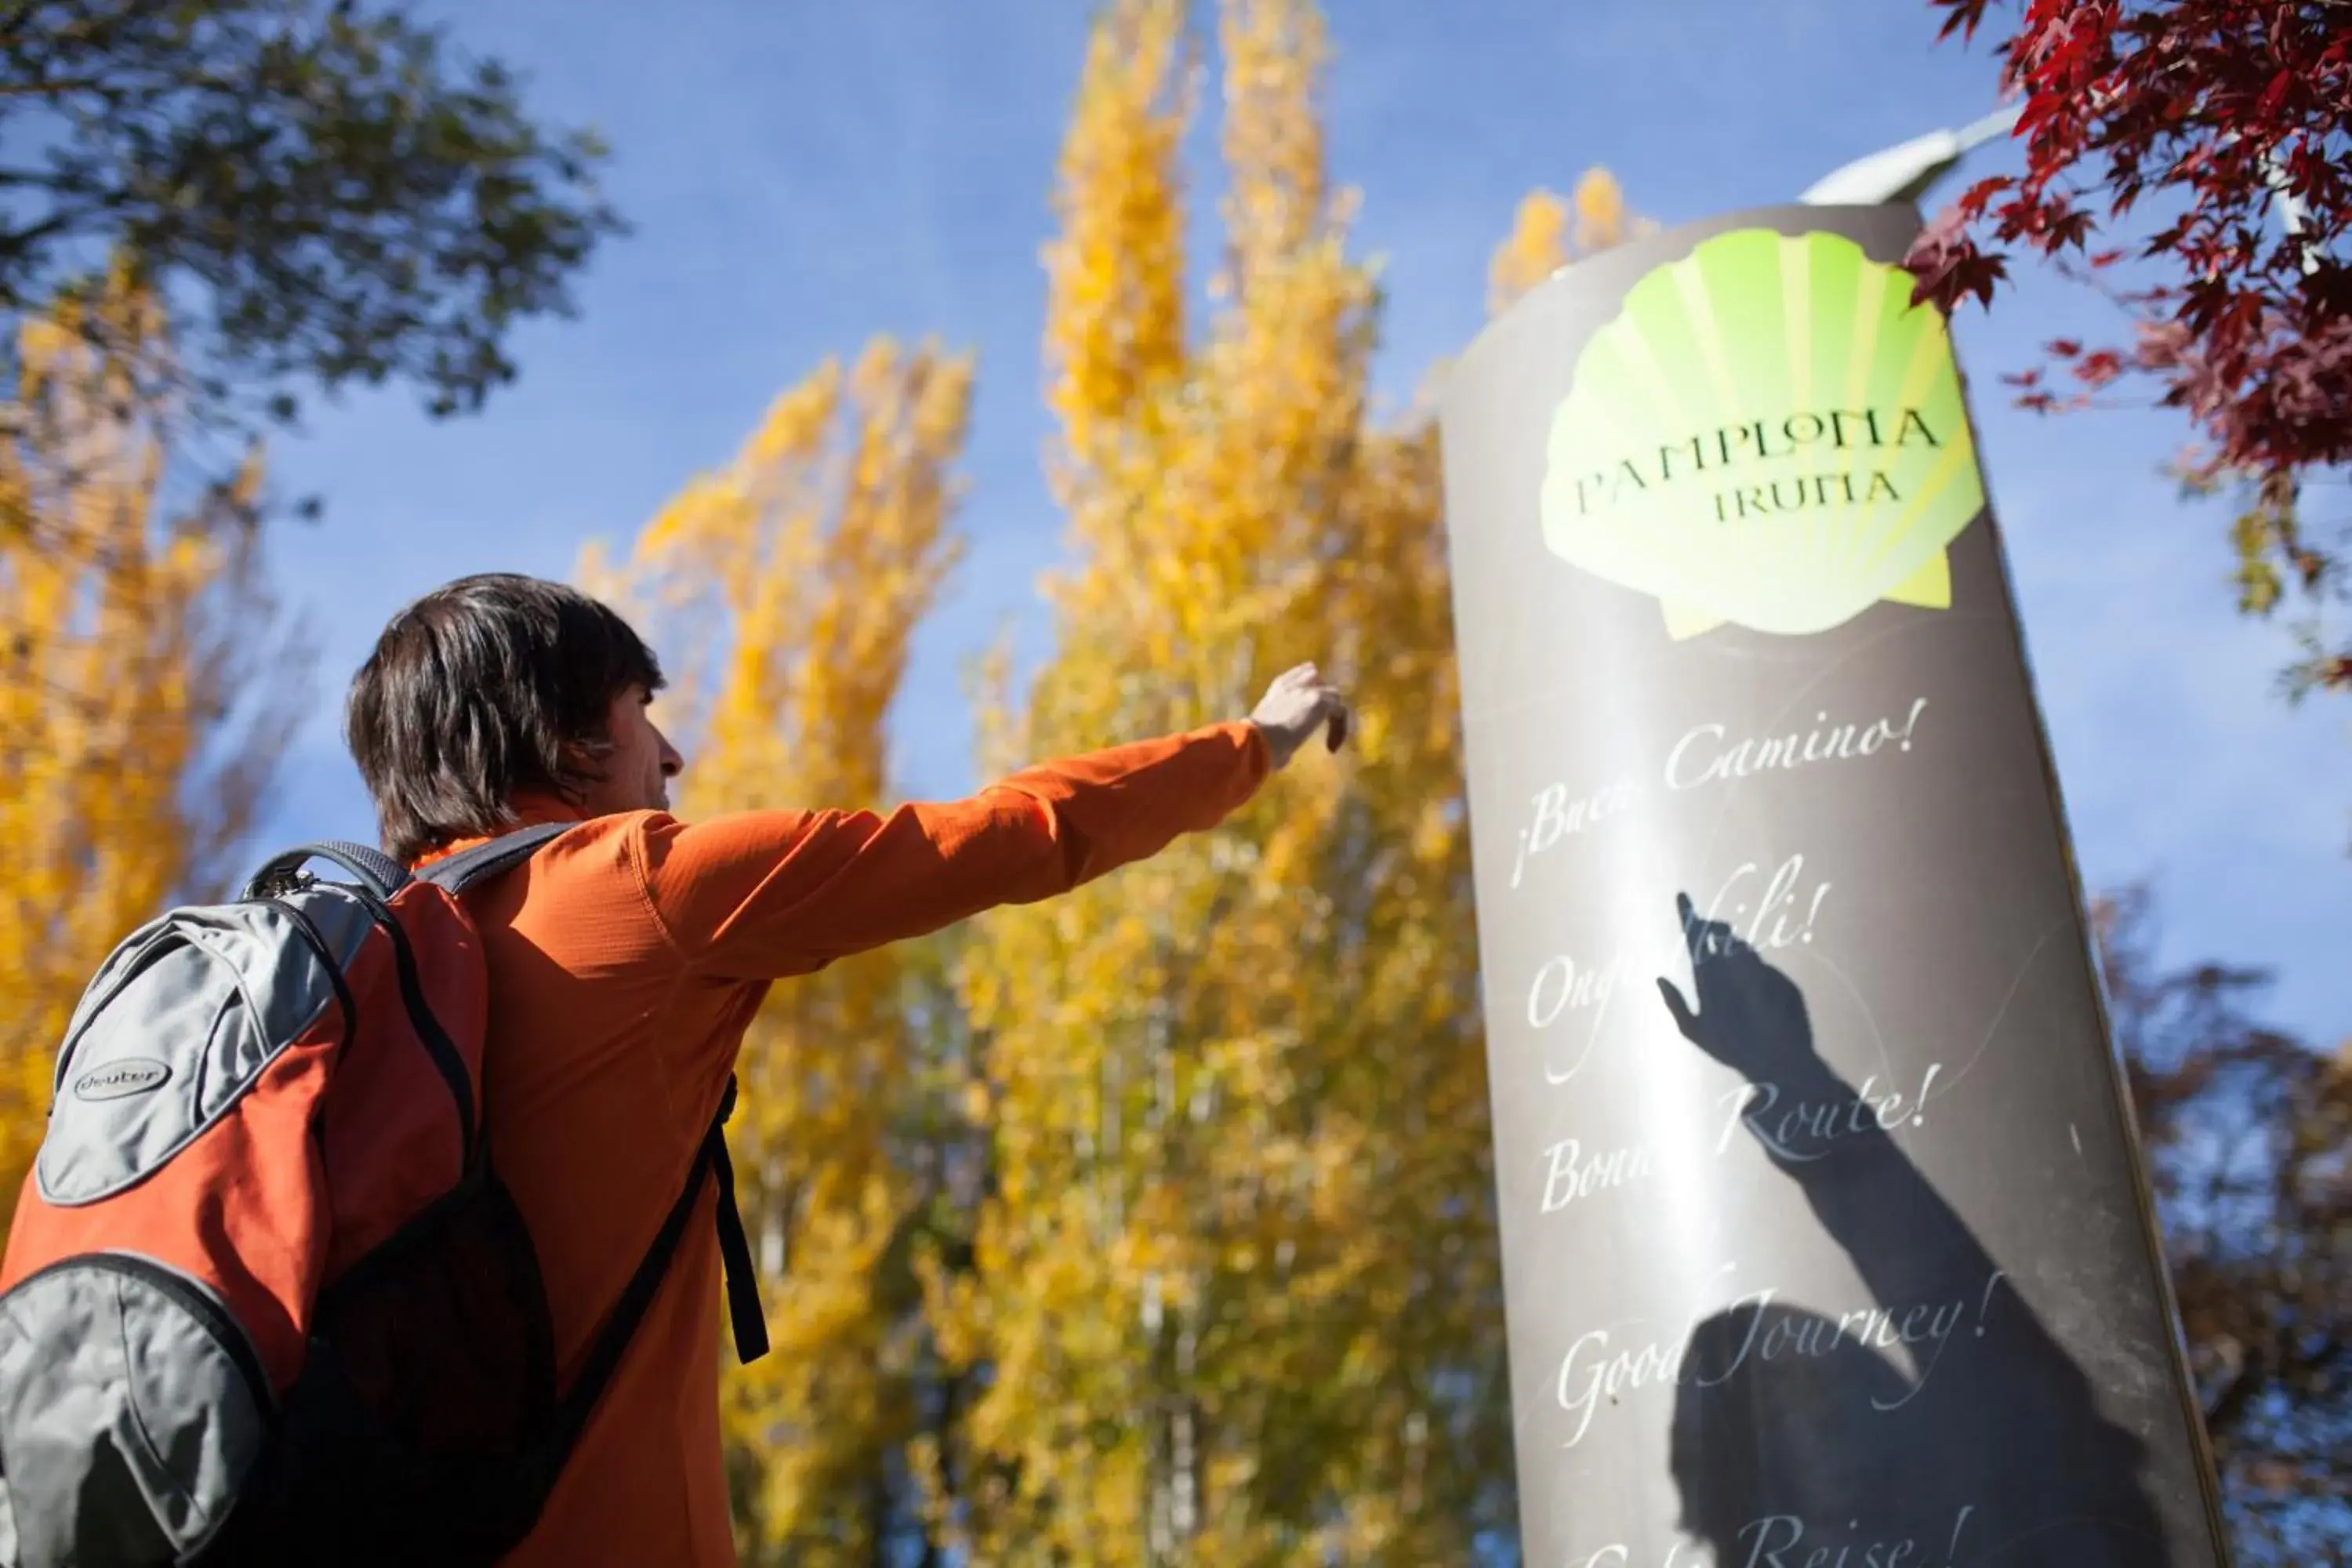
(1770,435)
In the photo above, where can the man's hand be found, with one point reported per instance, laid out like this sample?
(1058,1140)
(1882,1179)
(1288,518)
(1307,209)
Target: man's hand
(1298,703)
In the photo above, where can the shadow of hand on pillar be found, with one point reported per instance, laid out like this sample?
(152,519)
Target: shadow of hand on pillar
(1937,1422)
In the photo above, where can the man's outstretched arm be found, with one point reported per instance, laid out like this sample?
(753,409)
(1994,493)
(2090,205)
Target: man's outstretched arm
(761,895)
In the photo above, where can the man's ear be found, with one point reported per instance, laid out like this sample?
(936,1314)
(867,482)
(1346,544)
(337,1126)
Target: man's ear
(583,760)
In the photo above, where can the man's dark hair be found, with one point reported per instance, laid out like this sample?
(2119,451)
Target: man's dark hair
(489,687)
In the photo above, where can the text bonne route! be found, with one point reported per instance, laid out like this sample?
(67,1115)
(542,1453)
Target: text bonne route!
(1796,1130)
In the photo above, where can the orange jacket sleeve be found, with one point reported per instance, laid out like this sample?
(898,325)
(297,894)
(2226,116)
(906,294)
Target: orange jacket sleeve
(761,895)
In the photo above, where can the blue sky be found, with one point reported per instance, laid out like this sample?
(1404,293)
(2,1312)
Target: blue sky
(804,175)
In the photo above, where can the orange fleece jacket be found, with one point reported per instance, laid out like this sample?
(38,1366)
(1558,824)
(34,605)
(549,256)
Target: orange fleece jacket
(626,958)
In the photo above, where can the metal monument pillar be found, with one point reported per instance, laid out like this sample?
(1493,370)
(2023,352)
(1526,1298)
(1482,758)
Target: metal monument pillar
(1826,1244)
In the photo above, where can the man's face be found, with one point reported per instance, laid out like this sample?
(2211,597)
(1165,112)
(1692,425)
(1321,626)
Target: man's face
(636,771)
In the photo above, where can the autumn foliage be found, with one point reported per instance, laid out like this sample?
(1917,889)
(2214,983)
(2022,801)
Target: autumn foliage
(1154,1225)
(1204,1212)
(144,699)
(2207,143)
(1234,1287)
(2249,1133)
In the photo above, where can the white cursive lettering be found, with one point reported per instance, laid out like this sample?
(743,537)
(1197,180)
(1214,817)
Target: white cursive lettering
(1592,1372)
(1570,1175)
(1804,1130)
(1707,755)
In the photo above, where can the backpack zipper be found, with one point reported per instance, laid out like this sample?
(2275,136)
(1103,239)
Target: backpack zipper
(214,1319)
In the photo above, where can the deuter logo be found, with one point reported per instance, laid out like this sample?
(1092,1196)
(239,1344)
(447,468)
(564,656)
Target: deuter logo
(117,1080)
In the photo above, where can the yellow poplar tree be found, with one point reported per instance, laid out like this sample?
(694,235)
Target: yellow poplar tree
(1547,233)
(1235,1290)
(143,699)
(782,591)
(1108,1293)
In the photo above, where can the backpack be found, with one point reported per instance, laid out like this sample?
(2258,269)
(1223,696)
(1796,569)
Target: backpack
(265,1298)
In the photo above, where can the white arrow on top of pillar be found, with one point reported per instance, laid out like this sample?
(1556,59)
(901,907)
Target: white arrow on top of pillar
(1904,172)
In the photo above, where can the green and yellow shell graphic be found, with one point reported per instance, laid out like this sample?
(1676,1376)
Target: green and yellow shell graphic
(1769,434)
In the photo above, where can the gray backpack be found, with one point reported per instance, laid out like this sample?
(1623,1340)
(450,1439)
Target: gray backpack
(265,1298)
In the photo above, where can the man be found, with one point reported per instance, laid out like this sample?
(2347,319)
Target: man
(628,957)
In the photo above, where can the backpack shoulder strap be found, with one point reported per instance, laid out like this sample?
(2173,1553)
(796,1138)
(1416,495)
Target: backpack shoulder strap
(467,869)
(470,867)
(378,872)
(745,1316)
(483,861)
(612,1340)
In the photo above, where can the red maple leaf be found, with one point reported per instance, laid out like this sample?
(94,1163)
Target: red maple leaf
(2203,106)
